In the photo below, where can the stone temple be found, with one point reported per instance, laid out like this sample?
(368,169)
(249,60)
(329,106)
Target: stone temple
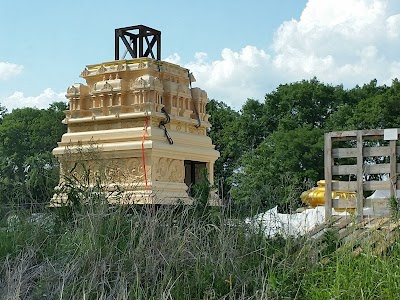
(138,127)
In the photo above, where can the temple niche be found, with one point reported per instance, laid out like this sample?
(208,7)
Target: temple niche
(140,126)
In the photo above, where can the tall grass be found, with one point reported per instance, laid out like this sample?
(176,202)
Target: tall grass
(356,277)
(97,251)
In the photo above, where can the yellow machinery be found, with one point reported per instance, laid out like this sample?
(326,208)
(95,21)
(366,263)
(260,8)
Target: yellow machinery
(316,196)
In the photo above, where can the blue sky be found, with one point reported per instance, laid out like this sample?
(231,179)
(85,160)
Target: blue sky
(236,49)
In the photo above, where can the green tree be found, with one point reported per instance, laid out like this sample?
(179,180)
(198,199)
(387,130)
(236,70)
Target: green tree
(251,125)
(285,135)
(378,108)
(367,90)
(306,102)
(235,133)
(3,111)
(370,107)
(28,171)
(271,148)
(223,134)
(340,119)
(285,162)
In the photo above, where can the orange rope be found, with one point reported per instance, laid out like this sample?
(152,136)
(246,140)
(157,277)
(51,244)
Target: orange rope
(146,124)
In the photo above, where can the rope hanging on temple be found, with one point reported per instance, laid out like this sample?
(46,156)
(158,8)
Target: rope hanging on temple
(162,125)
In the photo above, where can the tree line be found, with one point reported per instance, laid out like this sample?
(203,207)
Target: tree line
(271,150)
(28,170)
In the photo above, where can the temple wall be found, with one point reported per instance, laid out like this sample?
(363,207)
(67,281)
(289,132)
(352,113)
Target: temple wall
(117,125)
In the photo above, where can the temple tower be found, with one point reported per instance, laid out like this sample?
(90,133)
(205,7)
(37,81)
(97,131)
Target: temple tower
(140,125)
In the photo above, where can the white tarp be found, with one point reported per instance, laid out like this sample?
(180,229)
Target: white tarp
(297,224)
(379,194)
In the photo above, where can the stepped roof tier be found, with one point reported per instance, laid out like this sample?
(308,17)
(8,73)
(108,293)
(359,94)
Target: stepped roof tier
(136,126)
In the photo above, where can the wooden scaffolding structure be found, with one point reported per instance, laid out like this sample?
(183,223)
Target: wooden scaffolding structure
(360,161)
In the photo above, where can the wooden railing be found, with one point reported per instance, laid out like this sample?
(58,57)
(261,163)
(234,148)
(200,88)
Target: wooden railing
(363,174)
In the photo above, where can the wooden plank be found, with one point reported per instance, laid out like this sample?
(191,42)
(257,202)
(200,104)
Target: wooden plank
(328,163)
(367,152)
(370,234)
(377,169)
(351,237)
(315,235)
(368,169)
(393,168)
(344,152)
(376,231)
(321,227)
(377,203)
(344,203)
(360,179)
(376,151)
(372,133)
(345,221)
(377,223)
(388,240)
(344,169)
(346,186)
(344,232)
(338,135)
(351,186)
(347,232)
(384,245)
(341,134)
(374,185)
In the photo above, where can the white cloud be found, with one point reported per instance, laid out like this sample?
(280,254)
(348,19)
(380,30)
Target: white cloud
(19,100)
(8,70)
(345,42)
(174,59)
(392,26)
(233,78)
(339,41)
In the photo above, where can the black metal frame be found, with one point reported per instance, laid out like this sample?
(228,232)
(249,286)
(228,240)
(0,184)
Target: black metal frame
(137,35)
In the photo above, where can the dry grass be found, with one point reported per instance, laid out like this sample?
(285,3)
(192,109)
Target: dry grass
(101,252)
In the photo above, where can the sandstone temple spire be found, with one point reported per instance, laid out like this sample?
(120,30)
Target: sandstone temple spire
(146,122)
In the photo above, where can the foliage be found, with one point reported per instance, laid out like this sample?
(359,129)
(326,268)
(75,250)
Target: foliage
(106,252)
(263,142)
(284,140)
(141,253)
(296,155)
(306,102)
(394,206)
(379,109)
(283,137)
(223,134)
(348,277)
(3,111)
(28,170)
(201,190)
(270,151)
(251,125)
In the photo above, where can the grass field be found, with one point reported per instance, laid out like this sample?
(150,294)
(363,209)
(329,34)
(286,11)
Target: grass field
(101,252)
